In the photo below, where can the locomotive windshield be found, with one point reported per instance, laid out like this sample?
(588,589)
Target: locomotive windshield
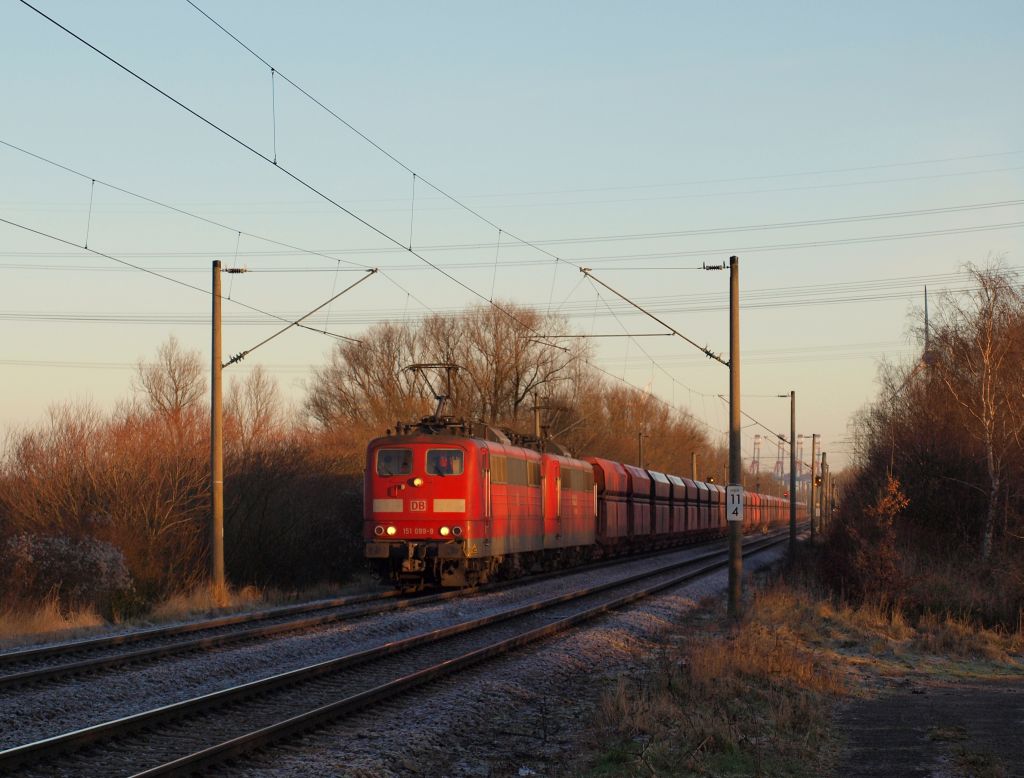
(394,461)
(444,461)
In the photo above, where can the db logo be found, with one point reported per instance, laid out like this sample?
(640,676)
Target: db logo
(417,505)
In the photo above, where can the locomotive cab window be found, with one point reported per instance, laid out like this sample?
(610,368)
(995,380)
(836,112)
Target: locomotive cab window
(444,461)
(394,461)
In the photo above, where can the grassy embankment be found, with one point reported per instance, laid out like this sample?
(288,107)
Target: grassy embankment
(756,698)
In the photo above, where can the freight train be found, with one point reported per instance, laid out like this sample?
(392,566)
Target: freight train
(451,504)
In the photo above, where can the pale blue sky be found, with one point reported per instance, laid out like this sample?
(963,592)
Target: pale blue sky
(553,120)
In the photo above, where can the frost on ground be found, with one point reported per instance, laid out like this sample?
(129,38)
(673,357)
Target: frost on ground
(521,715)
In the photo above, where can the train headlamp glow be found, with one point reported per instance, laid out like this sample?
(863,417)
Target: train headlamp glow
(444,532)
(392,531)
(378,530)
(417,481)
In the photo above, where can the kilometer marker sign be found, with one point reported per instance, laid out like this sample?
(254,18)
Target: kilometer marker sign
(734,503)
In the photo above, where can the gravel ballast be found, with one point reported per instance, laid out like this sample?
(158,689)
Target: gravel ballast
(448,723)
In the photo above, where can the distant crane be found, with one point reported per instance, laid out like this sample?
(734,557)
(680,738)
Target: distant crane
(755,461)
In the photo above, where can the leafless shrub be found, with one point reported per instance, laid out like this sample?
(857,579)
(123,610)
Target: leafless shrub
(75,573)
(949,429)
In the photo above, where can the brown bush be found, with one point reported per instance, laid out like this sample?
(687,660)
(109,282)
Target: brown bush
(859,558)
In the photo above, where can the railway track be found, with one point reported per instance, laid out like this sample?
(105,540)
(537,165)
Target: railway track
(96,655)
(48,663)
(197,733)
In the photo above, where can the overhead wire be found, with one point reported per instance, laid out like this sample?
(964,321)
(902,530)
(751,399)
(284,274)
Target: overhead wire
(172,280)
(328,199)
(799,245)
(775,190)
(736,179)
(655,364)
(444,193)
(295,177)
(243,354)
(707,352)
(180,211)
(239,232)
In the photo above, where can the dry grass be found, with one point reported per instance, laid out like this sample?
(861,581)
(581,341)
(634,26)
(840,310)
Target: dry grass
(28,624)
(753,700)
(958,637)
(756,698)
(206,600)
(19,626)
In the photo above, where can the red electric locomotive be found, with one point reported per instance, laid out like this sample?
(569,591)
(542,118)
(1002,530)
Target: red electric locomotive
(451,504)
(447,507)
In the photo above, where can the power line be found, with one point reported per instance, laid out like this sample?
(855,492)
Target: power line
(175,209)
(292,175)
(707,352)
(369,140)
(879,216)
(777,190)
(608,260)
(243,354)
(299,180)
(651,359)
(800,174)
(389,155)
(201,218)
(163,277)
(802,245)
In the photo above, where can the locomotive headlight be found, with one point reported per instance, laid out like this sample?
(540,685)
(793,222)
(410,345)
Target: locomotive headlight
(417,481)
(378,530)
(444,532)
(392,530)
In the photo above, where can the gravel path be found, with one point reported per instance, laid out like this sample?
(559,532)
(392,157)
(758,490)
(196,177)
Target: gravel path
(935,730)
(38,712)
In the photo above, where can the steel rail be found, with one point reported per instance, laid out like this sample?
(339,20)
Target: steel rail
(54,672)
(113,641)
(394,601)
(150,720)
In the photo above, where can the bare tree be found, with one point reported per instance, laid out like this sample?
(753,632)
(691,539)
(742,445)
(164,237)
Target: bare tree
(512,353)
(364,383)
(253,409)
(980,363)
(174,385)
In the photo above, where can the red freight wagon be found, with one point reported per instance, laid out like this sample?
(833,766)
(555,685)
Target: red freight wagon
(639,503)
(612,502)
(703,506)
(661,498)
(679,507)
(717,506)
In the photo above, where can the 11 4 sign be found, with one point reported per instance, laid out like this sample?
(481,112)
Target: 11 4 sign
(734,503)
